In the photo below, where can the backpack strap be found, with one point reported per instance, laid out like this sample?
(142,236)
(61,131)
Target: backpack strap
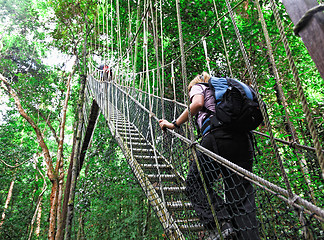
(219,87)
(254,146)
(205,126)
(203,83)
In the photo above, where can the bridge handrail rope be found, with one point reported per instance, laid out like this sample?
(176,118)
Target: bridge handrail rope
(237,169)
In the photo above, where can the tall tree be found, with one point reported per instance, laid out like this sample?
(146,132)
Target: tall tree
(27,81)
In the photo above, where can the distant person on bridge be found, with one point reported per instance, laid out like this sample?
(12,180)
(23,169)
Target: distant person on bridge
(106,74)
(236,211)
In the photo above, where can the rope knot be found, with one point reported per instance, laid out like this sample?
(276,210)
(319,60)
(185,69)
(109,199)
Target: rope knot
(293,144)
(292,200)
(193,144)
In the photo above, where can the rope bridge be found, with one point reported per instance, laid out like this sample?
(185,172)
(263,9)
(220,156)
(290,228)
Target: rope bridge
(160,161)
(132,101)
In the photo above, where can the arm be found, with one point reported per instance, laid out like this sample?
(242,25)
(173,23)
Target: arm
(196,105)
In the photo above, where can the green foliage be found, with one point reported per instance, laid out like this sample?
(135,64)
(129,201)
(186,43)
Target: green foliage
(21,16)
(16,139)
(18,146)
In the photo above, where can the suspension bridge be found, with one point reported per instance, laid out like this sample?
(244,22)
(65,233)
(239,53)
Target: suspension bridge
(289,203)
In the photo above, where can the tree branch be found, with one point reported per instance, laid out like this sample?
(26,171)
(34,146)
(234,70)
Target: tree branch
(48,123)
(63,119)
(40,139)
(15,165)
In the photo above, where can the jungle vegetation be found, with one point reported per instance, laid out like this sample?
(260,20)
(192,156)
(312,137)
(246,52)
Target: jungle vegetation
(45,49)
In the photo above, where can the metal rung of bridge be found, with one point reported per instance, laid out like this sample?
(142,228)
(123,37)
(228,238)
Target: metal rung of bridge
(171,190)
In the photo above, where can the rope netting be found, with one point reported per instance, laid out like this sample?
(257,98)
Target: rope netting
(195,192)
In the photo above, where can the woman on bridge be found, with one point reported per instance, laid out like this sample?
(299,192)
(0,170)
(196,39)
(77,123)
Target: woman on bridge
(236,212)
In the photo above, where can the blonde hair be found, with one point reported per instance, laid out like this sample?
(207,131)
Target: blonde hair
(204,77)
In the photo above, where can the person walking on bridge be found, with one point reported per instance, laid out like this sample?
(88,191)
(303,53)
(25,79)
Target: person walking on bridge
(236,210)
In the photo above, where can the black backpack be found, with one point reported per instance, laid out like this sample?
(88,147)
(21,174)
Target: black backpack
(237,107)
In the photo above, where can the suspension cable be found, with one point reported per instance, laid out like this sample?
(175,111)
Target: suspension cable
(265,115)
(154,28)
(223,41)
(302,97)
(282,97)
(111,32)
(136,35)
(162,60)
(185,83)
(206,53)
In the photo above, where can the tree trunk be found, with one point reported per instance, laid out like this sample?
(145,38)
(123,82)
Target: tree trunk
(59,165)
(75,165)
(57,188)
(60,231)
(65,211)
(38,220)
(52,175)
(7,201)
(38,211)
(37,217)
(53,209)
(70,207)
(60,197)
